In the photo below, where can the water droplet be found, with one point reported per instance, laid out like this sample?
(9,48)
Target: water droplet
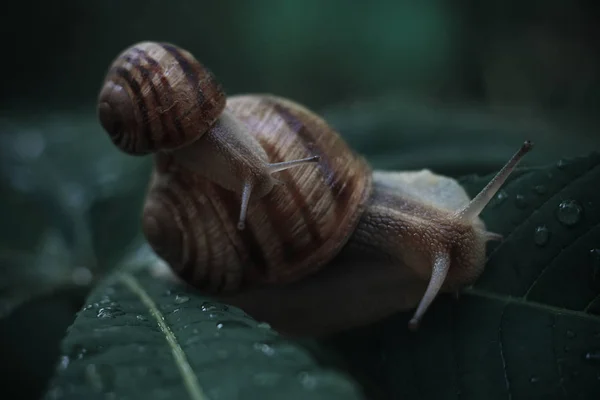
(169,292)
(307,380)
(534,379)
(501,197)
(78,352)
(569,212)
(181,299)
(520,201)
(64,362)
(561,164)
(540,189)
(110,312)
(141,318)
(266,378)
(232,325)
(107,300)
(592,356)
(541,235)
(265,348)
(263,325)
(216,315)
(100,376)
(207,306)
(571,334)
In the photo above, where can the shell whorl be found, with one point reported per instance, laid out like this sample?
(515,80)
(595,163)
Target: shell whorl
(290,232)
(156,97)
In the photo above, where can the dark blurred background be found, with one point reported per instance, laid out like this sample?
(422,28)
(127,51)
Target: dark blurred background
(455,86)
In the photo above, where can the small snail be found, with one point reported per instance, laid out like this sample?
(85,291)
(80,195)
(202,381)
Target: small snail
(335,245)
(157,97)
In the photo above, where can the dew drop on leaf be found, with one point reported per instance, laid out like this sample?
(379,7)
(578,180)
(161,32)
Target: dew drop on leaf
(263,325)
(232,325)
(181,299)
(501,197)
(79,352)
(561,164)
(109,312)
(217,314)
(520,201)
(140,317)
(64,362)
(265,348)
(592,356)
(569,212)
(207,306)
(541,235)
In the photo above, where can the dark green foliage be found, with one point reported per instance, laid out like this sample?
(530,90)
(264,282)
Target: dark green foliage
(530,327)
(142,338)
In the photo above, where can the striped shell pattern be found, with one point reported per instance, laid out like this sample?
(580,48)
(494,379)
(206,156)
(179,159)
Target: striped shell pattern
(157,96)
(290,233)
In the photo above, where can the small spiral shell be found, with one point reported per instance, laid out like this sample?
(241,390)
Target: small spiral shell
(291,232)
(156,97)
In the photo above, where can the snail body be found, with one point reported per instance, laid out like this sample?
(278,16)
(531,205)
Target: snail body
(328,243)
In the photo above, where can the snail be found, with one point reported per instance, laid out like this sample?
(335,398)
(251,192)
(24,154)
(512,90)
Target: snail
(158,97)
(327,245)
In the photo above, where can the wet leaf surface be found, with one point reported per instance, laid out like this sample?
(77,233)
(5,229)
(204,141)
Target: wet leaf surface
(530,326)
(140,337)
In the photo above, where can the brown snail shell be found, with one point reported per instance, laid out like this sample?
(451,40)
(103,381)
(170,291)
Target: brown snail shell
(292,232)
(157,96)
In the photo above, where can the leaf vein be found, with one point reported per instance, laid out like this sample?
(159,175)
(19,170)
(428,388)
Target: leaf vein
(501,347)
(189,377)
(551,261)
(536,210)
(529,303)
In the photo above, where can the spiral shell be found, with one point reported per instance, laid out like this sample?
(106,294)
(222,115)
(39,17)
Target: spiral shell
(156,97)
(290,233)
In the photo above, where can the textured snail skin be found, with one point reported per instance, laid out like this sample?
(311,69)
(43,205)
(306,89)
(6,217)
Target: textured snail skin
(385,266)
(292,232)
(157,96)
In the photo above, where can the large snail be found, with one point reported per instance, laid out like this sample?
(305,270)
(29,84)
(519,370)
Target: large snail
(328,243)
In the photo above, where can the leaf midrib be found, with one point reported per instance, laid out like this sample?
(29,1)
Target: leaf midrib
(189,377)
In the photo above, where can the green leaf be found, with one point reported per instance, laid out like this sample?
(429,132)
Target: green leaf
(530,326)
(143,337)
